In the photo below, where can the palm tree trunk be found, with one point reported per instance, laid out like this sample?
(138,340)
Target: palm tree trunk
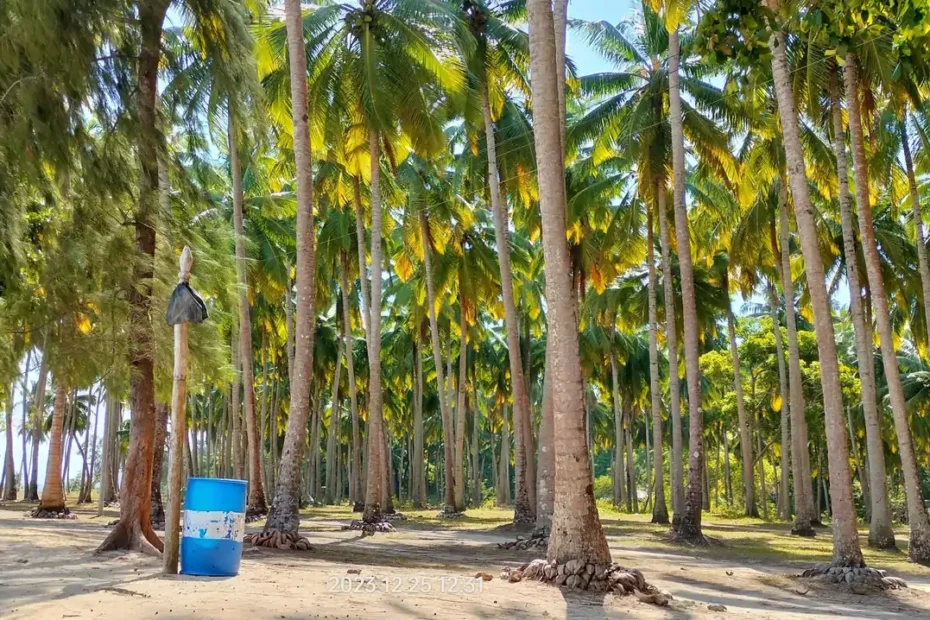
(256,501)
(9,467)
(284,515)
(545,473)
(630,478)
(846,551)
(919,545)
(236,398)
(690,526)
(860,466)
(659,508)
(671,337)
(800,457)
(53,497)
(418,474)
(353,389)
(923,263)
(289,323)
(620,497)
(158,461)
(475,435)
(745,440)
(374,492)
(523,511)
(332,462)
(784,507)
(459,469)
(576,528)
(881,534)
(727,480)
(38,421)
(504,477)
(425,239)
(106,469)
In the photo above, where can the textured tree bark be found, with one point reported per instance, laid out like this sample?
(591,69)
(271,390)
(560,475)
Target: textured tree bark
(332,462)
(425,239)
(881,534)
(418,473)
(459,469)
(620,494)
(236,414)
(284,514)
(504,476)
(745,437)
(356,469)
(671,337)
(784,502)
(576,528)
(161,432)
(846,551)
(134,530)
(53,497)
(522,511)
(800,457)
(659,507)
(374,495)
(918,548)
(690,526)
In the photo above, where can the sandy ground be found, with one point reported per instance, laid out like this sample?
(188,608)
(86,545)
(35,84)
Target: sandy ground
(48,570)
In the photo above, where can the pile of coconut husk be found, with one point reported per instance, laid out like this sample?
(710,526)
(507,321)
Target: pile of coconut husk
(580,575)
(42,513)
(858,577)
(538,540)
(276,539)
(252,514)
(381,527)
(394,516)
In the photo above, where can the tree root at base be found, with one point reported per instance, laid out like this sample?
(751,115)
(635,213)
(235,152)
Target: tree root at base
(140,537)
(860,579)
(580,575)
(54,513)
(276,539)
(368,528)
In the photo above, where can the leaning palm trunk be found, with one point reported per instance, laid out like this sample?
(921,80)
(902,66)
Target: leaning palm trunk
(53,497)
(846,551)
(659,508)
(671,337)
(745,435)
(256,503)
(374,492)
(523,511)
(425,239)
(284,515)
(919,546)
(356,468)
(881,534)
(805,514)
(690,526)
(576,527)
(459,470)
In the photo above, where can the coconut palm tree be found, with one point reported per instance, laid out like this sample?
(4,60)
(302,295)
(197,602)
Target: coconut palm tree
(576,528)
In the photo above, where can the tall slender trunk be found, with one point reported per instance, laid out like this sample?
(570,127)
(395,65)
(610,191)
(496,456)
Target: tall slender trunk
(923,263)
(630,479)
(745,437)
(846,551)
(256,501)
(576,528)
(53,496)
(374,495)
(690,526)
(426,240)
(919,546)
(289,323)
(881,534)
(526,501)
(800,457)
(9,467)
(659,508)
(353,389)
(332,462)
(284,514)
(784,502)
(25,462)
(158,460)
(671,337)
(418,471)
(727,480)
(459,469)
(475,466)
(38,421)
(620,496)
(237,455)
(545,472)
(860,466)
(504,476)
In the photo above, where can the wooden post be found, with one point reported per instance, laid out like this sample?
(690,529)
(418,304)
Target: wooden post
(178,432)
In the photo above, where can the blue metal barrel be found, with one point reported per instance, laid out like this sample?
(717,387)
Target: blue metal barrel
(214,525)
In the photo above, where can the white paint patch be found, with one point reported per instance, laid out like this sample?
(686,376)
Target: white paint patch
(214,525)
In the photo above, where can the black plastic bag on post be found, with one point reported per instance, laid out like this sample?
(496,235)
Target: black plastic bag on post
(185,306)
